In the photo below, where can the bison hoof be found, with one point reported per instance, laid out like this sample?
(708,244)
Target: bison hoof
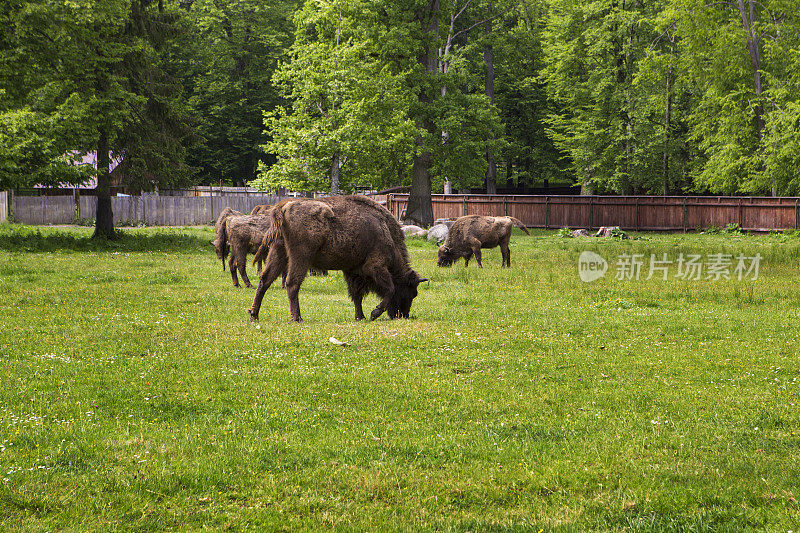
(253,316)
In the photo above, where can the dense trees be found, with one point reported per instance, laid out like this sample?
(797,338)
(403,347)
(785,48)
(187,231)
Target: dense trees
(623,96)
(84,76)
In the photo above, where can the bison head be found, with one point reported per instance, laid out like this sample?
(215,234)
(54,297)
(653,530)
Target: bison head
(405,290)
(446,257)
(222,250)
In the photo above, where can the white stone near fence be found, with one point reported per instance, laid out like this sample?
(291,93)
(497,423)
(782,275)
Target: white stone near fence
(438,233)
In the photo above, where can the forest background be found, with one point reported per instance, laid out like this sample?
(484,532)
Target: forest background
(619,96)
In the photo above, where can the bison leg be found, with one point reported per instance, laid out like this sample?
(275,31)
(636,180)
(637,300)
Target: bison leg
(466,259)
(241,263)
(294,278)
(382,279)
(356,289)
(477,253)
(475,245)
(232,268)
(276,265)
(506,253)
(258,268)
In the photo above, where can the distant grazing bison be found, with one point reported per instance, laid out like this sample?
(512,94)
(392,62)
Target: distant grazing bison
(239,235)
(470,233)
(353,234)
(221,242)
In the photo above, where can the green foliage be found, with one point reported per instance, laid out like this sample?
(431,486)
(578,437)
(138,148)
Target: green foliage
(565,232)
(74,69)
(732,228)
(592,53)
(348,107)
(226,61)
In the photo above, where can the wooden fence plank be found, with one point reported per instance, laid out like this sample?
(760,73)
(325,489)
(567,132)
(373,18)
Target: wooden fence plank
(3,206)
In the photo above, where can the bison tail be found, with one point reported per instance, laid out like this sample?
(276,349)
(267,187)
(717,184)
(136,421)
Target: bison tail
(518,223)
(275,226)
(261,253)
(223,242)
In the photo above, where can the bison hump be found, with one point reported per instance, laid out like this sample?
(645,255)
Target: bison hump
(308,208)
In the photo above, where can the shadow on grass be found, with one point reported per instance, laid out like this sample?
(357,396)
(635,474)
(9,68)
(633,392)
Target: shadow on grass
(30,239)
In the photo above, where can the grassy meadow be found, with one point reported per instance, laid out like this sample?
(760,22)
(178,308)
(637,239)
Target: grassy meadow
(135,395)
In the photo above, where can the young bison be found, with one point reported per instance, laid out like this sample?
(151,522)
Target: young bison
(349,233)
(470,233)
(240,235)
(220,244)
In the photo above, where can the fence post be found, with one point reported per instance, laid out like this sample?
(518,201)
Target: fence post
(638,225)
(591,212)
(684,214)
(796,214)
(547,212)
(741,217)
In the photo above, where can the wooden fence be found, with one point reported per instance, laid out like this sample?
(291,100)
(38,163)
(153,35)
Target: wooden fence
(133,210)
(645,213)
(3,206)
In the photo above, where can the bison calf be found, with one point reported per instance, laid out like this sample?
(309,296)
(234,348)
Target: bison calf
(470,233)
(240,235)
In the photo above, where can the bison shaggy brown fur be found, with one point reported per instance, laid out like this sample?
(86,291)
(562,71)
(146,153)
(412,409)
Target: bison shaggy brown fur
(220,244)
(241,235)
(353,234)
(470,233)
(261,209)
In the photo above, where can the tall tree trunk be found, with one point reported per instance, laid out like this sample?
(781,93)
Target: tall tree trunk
(748,15)
(104,223)
(419,209)
(335,175)
(667,121)
(488,57)
(335,165)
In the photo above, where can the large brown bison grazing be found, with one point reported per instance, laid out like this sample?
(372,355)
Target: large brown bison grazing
(353,234)
(240,235)
(470,233)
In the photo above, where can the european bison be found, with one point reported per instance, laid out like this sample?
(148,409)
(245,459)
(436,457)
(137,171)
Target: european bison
(353,234)
(241,234)
(470,233)
(221,242)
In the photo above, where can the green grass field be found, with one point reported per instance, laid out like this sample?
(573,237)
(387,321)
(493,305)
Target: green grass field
(135,395)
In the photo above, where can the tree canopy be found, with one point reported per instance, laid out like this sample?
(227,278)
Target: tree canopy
(665,97)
